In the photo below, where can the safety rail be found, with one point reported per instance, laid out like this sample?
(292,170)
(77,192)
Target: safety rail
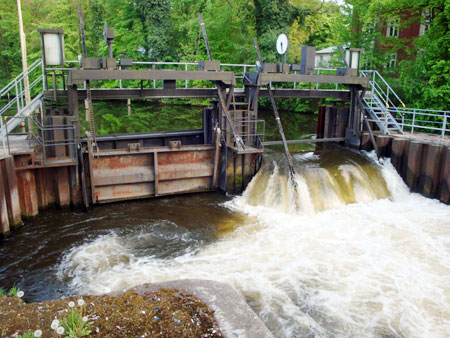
(45,142)
(426,120)
(250,130)
(382,87)
(380,101)
(15,91)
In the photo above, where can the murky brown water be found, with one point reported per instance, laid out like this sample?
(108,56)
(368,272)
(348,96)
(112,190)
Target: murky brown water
(177,225)
(349,252)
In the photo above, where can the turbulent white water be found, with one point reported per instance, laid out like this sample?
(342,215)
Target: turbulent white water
(313,263)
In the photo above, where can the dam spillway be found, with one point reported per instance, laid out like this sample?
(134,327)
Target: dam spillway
(321,265)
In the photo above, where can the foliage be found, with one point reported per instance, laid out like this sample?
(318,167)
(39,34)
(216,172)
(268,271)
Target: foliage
(74,325)
(27,335)
(426,80)
(168,30)
(422,78)
(14,291)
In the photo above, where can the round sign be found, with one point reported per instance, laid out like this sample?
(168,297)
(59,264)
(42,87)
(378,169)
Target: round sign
(282,44)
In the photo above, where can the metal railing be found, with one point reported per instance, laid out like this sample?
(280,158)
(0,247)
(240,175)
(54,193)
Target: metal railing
(381,100)
(14,92)
(45,138)
(426,121)
(379,85)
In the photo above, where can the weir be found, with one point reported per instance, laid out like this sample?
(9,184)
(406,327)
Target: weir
(52,163)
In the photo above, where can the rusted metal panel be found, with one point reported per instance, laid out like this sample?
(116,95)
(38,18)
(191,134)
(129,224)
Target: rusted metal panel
(63,190)
(179,165)
(124,192)
(185,170)
(11,190)
(120,175)
(128,176)
(187,185)
(122,161)
(4,219)
(27,193)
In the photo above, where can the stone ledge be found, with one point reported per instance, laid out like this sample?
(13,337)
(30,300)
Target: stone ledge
(235,318)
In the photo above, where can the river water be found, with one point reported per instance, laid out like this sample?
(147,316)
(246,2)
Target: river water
(349,252)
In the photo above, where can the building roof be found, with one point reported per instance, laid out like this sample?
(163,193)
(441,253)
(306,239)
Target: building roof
(328,50)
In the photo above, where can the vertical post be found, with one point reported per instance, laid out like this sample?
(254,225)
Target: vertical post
(17,97)
(413,121)
(444,125)
(205,37)
(73,110)
(185,81)
(155,168)
(154,81)
(23,47)
(215,181)
(43,75)
(3,135)
(317,83)
(120,81)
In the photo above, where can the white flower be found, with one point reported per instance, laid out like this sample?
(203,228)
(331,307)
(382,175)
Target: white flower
(71,304)
(38,333)
(85,319)
(55,324)
(60,330)
(80,302)
(20,294)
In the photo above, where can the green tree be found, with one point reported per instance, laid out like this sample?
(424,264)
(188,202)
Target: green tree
(426,80)
(156,23)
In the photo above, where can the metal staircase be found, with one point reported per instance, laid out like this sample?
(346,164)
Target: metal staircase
(379,105)
(15,95)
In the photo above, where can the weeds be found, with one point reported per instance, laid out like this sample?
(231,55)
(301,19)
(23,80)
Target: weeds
(27,335)
(14,291)
(75,325)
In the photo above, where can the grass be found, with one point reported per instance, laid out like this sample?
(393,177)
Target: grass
(165,313)
(14,291)
(27,335)
(74,325)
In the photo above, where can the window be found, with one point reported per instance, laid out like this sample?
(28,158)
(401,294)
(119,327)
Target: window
(426,20)
(393,27)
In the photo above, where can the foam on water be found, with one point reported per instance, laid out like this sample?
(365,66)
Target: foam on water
(314,263)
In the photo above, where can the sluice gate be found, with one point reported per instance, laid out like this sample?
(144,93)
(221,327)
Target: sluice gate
(49,162)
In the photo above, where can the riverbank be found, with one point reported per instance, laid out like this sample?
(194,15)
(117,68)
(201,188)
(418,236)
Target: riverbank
(161,313)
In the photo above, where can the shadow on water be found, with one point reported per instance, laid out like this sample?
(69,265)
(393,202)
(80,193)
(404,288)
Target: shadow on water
(161,228)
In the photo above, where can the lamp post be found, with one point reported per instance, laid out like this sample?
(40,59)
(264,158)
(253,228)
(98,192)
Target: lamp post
(352,56)
(52,43)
